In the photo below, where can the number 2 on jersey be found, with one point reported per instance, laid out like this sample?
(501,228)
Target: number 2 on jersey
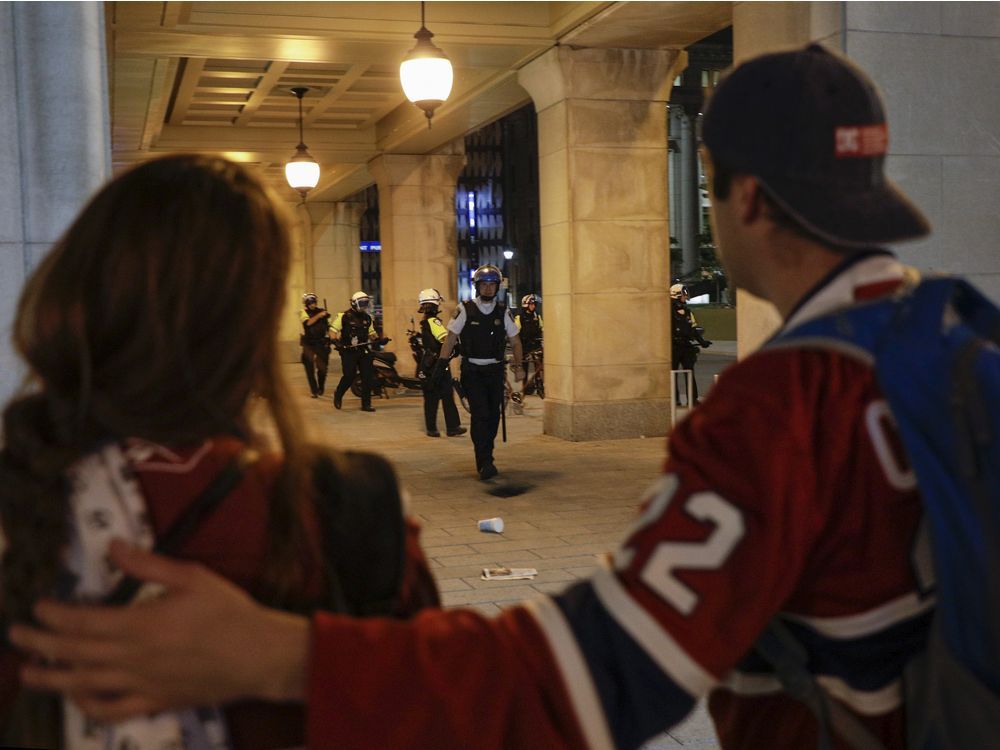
(668,557)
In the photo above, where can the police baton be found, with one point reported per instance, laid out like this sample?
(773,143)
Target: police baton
(329,341)
(503,415)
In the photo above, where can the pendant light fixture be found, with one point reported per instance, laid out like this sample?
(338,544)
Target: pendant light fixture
(301,171)
(426,73)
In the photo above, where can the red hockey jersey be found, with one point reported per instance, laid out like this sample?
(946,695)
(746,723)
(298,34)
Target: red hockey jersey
(785,494)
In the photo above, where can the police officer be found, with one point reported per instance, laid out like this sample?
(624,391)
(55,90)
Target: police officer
(354,332)
(686,336)
(530,326)
(432,334)
(484,325)
(315,340)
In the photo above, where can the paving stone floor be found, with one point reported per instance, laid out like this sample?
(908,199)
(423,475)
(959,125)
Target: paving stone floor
(567,502)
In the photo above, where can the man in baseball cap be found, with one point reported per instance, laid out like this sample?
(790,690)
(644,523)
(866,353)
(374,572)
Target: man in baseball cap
(782,497)
(811,129)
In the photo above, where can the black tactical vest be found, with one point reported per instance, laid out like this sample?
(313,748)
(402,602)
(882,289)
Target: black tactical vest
(484,336)
(531,331)
(317,332)
(354,325)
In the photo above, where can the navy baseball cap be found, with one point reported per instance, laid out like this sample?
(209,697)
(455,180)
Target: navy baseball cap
(810,126)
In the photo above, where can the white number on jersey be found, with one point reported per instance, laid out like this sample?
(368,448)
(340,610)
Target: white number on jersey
(879,421)
(709,554)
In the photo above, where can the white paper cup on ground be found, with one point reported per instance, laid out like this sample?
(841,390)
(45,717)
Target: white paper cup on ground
(492,524)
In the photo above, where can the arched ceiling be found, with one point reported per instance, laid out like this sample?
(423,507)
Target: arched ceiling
(216,76)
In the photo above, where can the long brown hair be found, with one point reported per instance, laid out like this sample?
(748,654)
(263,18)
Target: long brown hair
(155,316)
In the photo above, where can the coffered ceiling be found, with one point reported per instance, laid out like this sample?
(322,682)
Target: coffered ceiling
(216,76)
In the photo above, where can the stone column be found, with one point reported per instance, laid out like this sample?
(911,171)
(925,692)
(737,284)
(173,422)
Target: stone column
(299,278)
(690,195)
(335,272)
(325,260)
(602,148)
(56,146)
(416,197)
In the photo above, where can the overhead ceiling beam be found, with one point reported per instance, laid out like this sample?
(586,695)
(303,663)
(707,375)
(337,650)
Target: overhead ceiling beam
(190,75)
(327,100)
(268,81)
(159,99)
(253,139)
(312,48)
(341,182)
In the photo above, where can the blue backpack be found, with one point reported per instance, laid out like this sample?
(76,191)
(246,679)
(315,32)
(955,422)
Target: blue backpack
(935,348)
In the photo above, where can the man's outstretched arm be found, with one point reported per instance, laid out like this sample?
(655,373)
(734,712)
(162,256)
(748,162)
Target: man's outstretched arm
(204,642)
(606,664)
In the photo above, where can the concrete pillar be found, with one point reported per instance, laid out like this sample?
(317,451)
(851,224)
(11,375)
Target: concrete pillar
(55,149)
(934,63)
(325,260)
(416,196)
(602,147)
(335,269)
(299,278)
(690,194)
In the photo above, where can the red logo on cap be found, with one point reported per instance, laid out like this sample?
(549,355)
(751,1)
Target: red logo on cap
(859,141)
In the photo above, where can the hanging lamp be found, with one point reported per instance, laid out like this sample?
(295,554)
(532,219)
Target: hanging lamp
(301,171)
(426,73)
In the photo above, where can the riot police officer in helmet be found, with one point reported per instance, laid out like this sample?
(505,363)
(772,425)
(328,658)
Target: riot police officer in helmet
(432,334)
(354,333)
(686,337)
(530,326)
(315,341)
(485,326)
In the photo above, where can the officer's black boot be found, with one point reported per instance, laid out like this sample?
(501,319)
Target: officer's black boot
(322,381)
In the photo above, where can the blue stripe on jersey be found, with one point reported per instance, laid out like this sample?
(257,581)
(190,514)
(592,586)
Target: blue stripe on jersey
(638,698)
(867,663)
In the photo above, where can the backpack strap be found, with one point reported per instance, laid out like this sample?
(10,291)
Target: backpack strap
(788,658)
(360,514)
(172,541)
(933,346)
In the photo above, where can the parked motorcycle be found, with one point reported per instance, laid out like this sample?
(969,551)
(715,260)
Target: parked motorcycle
(385,374)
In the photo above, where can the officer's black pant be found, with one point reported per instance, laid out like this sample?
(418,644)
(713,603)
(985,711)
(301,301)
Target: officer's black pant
(352,361)
(316,360)
(684,359)
(445,395)
(484,389)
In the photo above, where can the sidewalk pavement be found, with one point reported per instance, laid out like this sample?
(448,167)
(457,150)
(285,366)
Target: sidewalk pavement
(563,504)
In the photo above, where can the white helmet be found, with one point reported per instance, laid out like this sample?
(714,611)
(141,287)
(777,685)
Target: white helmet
(309,298)
(677,291)
(361,301)
(529,299)
(430,295)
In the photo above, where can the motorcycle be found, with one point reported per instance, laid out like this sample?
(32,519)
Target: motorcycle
(385,375)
